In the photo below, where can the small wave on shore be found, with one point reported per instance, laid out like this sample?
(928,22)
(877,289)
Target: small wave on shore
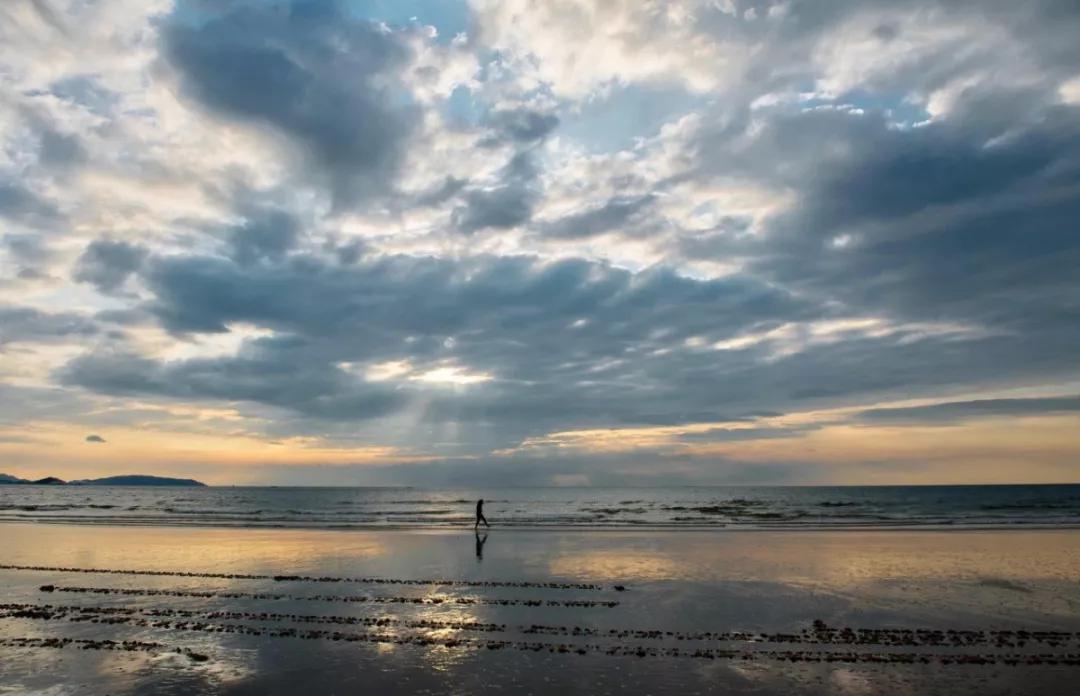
(585,508)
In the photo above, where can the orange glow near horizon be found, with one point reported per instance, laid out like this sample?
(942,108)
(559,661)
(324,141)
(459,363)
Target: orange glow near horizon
(820,447)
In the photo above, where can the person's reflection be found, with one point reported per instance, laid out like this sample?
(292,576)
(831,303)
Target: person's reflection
(480,541)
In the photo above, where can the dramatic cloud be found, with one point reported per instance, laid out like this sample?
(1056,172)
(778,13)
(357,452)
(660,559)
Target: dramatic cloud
(107,264)
(268,236)
(28,324)
(506,204)
(20,204)
(561,341)
(581,241)
(614,214)
(958,410)
(277,380)
(311,73)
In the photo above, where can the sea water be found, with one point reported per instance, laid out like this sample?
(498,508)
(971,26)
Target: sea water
(600,508)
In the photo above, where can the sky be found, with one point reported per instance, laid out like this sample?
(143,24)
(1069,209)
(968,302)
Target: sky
(577,242)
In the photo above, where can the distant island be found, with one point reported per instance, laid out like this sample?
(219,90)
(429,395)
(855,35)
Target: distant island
(131,480)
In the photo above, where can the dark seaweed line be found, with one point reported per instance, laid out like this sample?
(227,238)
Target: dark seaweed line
(821,634)
(825,634)
(357,599)
(106,615)
(903,658)
(96,644)
(310,578)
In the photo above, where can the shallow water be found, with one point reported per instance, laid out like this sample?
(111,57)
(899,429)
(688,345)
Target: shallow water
(712,590)
(591,508)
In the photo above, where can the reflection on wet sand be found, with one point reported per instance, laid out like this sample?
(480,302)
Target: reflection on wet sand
(1016,573)
(818,643)
(845,558)
(569,612)
(215,550)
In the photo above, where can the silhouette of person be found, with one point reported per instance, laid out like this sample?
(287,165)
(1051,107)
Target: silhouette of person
(480,514)
(480,541)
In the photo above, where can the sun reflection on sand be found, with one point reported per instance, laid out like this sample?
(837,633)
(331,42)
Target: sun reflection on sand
(440,658)
(604,565)
(845,559)
(207,550)
(229,666)
(908,572)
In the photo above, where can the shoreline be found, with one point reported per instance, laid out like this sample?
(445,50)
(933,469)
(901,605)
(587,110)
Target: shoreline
(650,528)
(663,510)
(1014,484)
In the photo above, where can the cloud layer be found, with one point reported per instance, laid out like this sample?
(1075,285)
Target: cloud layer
(691,241)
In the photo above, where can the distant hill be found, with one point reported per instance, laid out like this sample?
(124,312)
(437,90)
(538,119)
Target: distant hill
(131,480)
(47,481)
(138,480)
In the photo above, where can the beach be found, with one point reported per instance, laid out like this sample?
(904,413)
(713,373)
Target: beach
(576,348)
(238,611)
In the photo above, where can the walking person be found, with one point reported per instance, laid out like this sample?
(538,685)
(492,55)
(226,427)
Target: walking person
(480,515)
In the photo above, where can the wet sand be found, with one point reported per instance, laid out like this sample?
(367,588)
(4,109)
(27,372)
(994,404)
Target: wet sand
(112,610)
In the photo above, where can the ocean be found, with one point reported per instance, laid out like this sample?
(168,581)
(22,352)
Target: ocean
(695,507)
